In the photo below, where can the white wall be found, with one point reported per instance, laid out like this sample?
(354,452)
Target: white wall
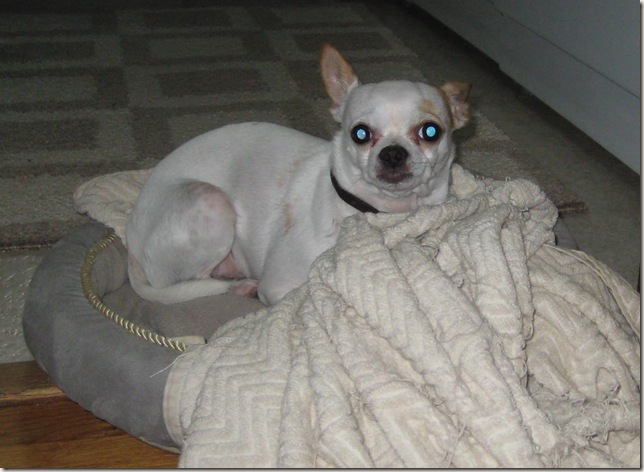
(581,57)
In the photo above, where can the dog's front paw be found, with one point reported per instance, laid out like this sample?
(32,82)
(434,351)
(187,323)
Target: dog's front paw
(245,288)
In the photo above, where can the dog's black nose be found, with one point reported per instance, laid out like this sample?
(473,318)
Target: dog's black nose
(393,156)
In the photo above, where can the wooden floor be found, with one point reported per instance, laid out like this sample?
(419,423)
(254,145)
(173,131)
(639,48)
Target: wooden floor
(41,428)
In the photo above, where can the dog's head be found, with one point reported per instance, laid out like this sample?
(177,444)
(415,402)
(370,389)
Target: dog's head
(395,144)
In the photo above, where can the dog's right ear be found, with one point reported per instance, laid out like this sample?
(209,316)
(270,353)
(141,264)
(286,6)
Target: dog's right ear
(338,79)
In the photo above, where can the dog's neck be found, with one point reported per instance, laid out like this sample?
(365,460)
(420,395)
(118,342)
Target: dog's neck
(352,200)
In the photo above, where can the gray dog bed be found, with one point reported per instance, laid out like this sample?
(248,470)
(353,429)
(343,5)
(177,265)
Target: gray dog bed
(118,376)
(455,335)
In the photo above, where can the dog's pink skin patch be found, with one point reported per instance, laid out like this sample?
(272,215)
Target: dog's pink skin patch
(227,269)
(245,288)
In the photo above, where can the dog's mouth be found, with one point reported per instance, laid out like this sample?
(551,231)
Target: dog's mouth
(394,177)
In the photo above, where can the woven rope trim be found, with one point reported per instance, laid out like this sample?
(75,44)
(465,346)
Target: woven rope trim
(98,305)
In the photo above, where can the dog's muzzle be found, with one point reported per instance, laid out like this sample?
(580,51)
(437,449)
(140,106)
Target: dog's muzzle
(393,165)
(393,156)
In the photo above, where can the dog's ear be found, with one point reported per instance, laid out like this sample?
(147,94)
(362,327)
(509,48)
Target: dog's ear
(338,78)
(457,93)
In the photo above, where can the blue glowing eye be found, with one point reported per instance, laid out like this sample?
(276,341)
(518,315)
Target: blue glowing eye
(361,134)
(429,132)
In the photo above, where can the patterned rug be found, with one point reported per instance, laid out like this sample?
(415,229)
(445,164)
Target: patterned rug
(87,93)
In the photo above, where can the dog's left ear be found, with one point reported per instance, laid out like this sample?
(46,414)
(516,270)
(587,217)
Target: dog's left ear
(457,93)
(338,79)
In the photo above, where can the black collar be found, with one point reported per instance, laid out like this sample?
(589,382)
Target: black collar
(351,199)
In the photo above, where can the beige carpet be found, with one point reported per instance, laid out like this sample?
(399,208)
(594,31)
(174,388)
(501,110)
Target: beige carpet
(87,92)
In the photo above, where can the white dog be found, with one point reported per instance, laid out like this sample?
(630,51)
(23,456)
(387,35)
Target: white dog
(248,207)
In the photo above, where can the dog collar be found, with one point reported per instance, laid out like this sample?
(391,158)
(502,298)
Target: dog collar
(357,203)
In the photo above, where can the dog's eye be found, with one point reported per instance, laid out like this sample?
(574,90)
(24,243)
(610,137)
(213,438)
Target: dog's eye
(361,134)
(429,132)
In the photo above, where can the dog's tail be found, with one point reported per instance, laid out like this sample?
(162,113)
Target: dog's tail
(186,290)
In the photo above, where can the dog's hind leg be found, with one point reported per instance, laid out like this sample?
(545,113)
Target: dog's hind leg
(190,240)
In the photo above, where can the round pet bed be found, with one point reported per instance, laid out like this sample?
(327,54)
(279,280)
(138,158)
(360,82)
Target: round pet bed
(457,335)
(118,376)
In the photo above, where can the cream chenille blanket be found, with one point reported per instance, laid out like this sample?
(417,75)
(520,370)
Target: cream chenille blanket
(457,335)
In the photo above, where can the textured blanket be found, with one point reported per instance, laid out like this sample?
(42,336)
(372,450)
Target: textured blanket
(457,335)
